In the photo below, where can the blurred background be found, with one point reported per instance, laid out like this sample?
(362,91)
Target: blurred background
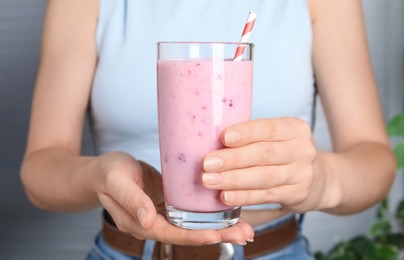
(28,233)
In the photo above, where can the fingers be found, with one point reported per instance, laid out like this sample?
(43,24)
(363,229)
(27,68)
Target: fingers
(274,130)
(256,154)
(121,193)
(255,185)
(162,230)
(288,185)
(265,161)
(124,221)
(133,199)
(237,234)
(152,182)
(260,177)
(122,183)
(263,142)
(168,233)
(285,195)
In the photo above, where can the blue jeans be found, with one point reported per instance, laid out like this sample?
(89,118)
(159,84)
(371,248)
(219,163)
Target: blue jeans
(299,249)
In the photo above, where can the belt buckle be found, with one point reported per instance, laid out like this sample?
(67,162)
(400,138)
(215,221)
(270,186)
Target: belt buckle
(227,251)
(166,251)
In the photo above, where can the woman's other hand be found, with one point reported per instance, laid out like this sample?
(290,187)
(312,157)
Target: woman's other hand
(266,161)
(132,192)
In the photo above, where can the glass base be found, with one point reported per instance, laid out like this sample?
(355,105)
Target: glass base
(202,220)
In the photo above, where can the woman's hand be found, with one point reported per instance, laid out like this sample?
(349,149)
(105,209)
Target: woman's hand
(132,192)
(266,161)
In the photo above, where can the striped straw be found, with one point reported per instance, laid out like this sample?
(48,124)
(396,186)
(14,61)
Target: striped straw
(245,35)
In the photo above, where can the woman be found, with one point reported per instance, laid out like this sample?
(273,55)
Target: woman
(100,56)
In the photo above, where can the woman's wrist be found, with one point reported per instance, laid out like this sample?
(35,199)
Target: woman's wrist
(95,170)
(347,177)
(327,191)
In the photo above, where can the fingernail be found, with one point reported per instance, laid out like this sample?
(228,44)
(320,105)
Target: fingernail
(212,163)
(141,216)
(212,178)
(250,240)
(232,137)
(213,242)
(242,243)
(230,196)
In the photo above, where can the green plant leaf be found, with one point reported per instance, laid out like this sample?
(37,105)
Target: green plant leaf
(395,240)
(395,126)
(319,256)
(382,208)
(400,211)
(363,246)
(341,249)
(385,204)
(380,227)
(399,152)
(347,256)
(386,252)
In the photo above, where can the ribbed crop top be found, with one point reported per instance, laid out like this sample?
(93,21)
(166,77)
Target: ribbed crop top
(124,99)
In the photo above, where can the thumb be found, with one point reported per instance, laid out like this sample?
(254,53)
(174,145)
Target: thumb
(121,190)
(127,191)
(134,203)
(141,207)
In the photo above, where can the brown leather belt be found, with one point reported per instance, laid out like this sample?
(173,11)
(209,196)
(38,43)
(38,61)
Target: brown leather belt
(264,242)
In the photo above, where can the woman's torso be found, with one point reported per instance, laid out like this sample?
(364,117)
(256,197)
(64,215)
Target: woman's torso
(124,98)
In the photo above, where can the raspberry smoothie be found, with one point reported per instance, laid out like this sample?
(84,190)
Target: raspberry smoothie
(197,99)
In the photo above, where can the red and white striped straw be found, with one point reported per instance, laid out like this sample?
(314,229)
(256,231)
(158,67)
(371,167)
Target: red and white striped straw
(245,35)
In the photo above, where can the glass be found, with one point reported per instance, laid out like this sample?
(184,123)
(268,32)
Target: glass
(201,91)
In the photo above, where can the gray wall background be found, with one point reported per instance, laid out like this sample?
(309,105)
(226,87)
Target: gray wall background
(30,233)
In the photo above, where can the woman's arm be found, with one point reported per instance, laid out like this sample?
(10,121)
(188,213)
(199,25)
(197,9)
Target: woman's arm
(276,160)
(362,167)
(54,174)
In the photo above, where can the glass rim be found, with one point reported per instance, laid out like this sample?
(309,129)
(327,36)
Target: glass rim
(204,43)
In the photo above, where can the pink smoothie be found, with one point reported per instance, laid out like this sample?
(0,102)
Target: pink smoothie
(197,99)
